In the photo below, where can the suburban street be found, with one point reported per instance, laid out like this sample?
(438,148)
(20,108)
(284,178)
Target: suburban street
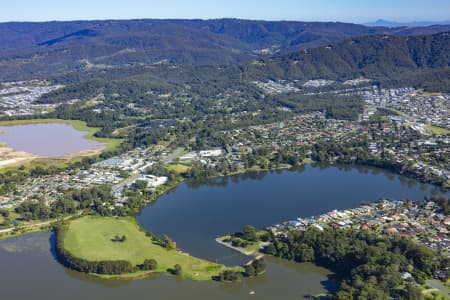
(437,285)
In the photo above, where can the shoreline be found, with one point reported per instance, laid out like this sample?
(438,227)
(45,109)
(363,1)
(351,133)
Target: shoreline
(76,124)
(194,268)
(253,253)
(10,157)
(138,274)
(13,232)
(168,188)
(47,226)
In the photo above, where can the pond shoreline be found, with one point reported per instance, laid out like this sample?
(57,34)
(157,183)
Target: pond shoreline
(11,157)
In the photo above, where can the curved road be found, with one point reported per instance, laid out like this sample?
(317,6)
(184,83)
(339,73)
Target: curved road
(437,285)
(46,223)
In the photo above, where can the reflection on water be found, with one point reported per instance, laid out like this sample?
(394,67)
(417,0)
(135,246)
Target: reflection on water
(193,215)
(110,283)
(33,273)
(360,169)
(24,244)
(197,212)
(52,139)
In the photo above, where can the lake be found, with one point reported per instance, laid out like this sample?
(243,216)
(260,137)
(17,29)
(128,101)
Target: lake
(196,213)
(193,215)
(47,139)
(29,271)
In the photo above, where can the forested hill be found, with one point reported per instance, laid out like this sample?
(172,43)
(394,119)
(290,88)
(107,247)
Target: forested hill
(378,56)
(35,50)
(241,35)
(419,61)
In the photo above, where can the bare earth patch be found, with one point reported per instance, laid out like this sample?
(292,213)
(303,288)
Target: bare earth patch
(10,157)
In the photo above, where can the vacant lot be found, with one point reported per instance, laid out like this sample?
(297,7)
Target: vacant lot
(437,130)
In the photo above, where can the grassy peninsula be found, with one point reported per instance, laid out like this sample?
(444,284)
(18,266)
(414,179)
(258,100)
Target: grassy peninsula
(92,239)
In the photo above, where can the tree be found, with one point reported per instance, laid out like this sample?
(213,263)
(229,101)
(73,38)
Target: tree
(177,270)
(270,249)
(168,243)
(230,275)
(413,293)
(4,212)
(249,233)
(140,184)
(119,239)
(250,270)
(305,253)
(149,264)
(123,173)
(370,265)
(259,265)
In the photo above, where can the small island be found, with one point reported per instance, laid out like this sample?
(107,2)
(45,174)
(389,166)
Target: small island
(112,247)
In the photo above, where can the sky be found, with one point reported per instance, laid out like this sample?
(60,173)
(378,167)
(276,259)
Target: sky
(356,11)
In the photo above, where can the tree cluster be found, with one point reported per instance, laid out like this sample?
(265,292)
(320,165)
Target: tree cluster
(112,267)
(370,266)
(148,265)
(255,267)
(229,275)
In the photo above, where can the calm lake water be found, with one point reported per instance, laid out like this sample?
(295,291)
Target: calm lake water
(193,215)
(196,213)
(51,139)
(28,271)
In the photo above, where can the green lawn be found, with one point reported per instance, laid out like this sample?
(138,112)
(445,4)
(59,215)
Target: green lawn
(433,294)
(426,94)
(12,215)
(428,127)
(90,238)
(437,130)
(178,168)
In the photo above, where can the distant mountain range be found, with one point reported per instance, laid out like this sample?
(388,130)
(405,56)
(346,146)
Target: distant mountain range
(386,23)
(419,61)
(374,56)
(39,50)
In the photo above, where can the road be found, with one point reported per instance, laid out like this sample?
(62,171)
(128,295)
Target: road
(238,249)
(119,187)
(169,159)
(439,286)
(37,225)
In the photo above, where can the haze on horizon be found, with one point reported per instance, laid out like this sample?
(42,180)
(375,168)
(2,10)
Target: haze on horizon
(354,11)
